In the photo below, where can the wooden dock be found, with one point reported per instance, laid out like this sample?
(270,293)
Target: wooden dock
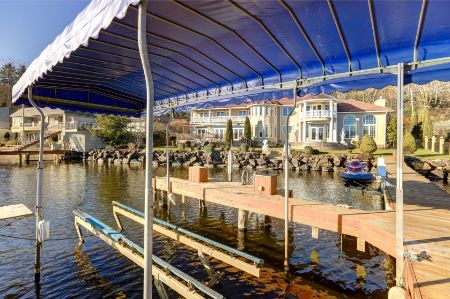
(426,222)
(12,211)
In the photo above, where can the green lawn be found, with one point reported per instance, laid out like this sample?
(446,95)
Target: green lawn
(429,155)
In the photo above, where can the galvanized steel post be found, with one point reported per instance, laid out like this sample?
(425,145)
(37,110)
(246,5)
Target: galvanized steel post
(40,168)
(399,184)
(148,226)
(286,183)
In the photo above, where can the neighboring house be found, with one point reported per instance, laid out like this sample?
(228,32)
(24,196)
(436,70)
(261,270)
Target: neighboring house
(69,130)
(316,120)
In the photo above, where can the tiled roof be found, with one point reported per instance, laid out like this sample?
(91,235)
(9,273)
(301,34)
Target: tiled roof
(343,106)
(30,111)
(358,106)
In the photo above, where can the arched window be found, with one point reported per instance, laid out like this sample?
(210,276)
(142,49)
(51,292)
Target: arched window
(350,126)
(369,125)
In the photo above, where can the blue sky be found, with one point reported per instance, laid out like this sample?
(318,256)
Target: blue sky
(28,26)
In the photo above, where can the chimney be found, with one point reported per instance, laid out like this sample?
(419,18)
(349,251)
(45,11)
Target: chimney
(380,102)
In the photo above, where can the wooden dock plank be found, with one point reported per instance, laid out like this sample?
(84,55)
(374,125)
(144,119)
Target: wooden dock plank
(12,211)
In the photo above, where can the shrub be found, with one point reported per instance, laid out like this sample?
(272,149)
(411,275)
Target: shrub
(211,147)
(308,150)
(356,143)
(188,143)
(247,129)
(409,143)
(368,145)
(6,136)
(244,147)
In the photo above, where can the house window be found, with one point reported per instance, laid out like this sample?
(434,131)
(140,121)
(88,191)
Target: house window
(266,111)
(242,113)
(285,111)
(369,125)
(266,131)
(220,114)
(260,131)
(237,133)
(204,114)
(219,133)
(283,129)
(350,126)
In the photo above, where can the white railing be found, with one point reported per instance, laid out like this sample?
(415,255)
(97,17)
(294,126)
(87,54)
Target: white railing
(27,126)
(80,125)
(312,114)
(216,119)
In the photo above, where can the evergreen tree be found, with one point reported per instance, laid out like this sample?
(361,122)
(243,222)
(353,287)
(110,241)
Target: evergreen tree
(113,130)
(427,125)
(414,119)
(392,131)
(247,129)
(368,145)
(229,134)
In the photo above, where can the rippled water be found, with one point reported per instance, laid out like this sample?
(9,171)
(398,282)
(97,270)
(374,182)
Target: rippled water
(319,268)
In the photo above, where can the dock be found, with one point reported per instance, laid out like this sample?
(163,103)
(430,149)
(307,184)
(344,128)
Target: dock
(13,211)
(426,222)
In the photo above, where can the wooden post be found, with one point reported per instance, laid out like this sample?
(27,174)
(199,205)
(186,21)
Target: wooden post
(314,232)
(242,219)
(360,244)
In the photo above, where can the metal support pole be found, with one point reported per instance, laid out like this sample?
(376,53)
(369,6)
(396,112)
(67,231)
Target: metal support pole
(167,162)
(286,184)
(40,168)
(399,189)
(148,226)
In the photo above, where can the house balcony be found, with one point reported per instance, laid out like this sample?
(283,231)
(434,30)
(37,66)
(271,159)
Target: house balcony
(79,125)
(318,115)
(35,126)
(216,120)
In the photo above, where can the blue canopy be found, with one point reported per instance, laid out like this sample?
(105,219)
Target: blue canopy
(203,51)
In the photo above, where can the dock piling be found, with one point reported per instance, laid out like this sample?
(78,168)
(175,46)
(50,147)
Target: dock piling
(242,220)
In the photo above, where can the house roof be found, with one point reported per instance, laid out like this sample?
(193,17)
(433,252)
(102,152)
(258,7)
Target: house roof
(346,106)
(31,111)
(358,106)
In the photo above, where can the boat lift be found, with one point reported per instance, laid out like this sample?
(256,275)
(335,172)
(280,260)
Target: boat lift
(163,272)
(203,245)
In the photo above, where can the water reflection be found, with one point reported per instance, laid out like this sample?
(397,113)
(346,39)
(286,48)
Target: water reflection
(319,267)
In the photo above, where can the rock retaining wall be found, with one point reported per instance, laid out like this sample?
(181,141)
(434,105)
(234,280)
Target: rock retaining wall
(251,160)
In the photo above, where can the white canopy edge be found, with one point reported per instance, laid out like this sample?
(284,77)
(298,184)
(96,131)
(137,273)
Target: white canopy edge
(97,15)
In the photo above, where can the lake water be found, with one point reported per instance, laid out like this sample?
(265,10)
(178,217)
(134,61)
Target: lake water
(319,268)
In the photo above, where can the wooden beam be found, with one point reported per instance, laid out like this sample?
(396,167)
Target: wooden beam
(314,232)
(250,268)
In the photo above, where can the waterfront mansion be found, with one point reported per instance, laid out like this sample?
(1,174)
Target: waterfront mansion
(319,120)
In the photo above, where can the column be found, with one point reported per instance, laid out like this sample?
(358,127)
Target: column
(433,143)
(330,134)
(441,144)
(304,123)
(209,116)
(425,142)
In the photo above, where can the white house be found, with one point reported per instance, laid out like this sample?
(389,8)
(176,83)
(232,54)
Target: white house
(69,130)
(316,120)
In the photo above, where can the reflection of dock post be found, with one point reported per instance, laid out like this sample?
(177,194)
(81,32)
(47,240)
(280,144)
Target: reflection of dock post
(242,220)
(183,199)
(267,222)
(241,240)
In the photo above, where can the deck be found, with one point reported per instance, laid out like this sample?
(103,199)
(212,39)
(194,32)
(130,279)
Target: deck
(426,222)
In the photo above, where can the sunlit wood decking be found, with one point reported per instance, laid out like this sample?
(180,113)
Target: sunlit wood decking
(426,222)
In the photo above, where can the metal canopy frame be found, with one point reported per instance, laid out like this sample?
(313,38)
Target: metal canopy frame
(401,70)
